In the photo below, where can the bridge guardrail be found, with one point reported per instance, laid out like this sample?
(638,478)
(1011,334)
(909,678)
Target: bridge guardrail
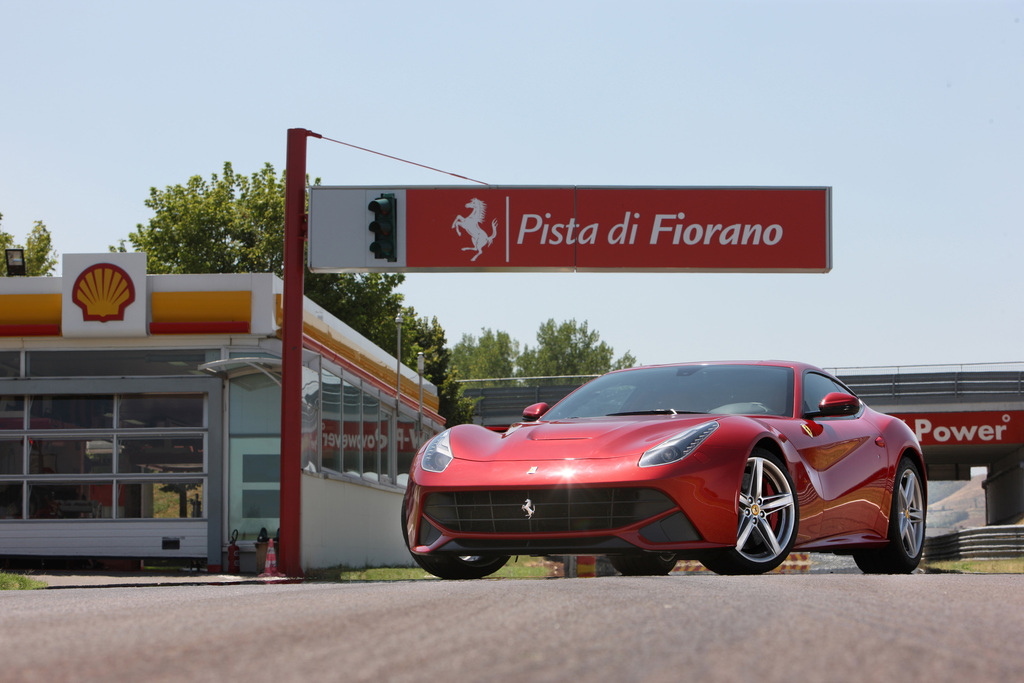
(982,543)
(952,384)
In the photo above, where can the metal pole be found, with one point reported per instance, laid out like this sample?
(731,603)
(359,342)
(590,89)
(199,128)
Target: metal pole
(419,421)
(398,366)
(393,464)
(290,555)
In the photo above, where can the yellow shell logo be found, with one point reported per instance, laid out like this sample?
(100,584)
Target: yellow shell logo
(103,292)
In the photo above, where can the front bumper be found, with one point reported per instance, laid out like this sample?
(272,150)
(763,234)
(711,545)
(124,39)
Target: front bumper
(588,520)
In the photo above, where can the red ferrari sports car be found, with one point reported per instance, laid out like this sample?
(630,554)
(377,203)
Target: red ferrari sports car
(734,464)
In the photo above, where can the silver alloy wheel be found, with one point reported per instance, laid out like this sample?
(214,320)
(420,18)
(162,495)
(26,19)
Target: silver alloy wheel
(911,512)
(767,516)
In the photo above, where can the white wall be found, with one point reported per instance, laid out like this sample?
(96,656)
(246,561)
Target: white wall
(351,524)
(105,538)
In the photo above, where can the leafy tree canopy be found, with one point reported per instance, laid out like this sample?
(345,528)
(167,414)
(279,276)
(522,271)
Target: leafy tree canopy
(233,223)
(492,355)
(40,258)
(567,348)
(429,338)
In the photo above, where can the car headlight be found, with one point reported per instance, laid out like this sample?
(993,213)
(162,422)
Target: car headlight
(679,446)
(437,454)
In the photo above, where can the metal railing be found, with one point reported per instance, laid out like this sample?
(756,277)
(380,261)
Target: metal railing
(982,543)
(948,381)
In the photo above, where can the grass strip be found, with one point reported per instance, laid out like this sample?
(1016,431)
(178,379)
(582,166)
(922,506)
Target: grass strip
(1014,566)
(17,582)
(517,568)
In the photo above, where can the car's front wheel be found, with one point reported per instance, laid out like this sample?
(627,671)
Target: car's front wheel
(461,567)
(906,527)
(768,517)
(452,566)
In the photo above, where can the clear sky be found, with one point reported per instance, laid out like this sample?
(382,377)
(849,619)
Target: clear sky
(913,112)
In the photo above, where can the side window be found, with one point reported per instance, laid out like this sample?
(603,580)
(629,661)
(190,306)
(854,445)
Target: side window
(816,387)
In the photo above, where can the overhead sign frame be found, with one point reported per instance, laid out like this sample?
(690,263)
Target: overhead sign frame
(583,229)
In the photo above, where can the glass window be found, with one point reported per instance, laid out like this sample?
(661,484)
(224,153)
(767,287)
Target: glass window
(160,500)
(371,437)
(69,501)
(10,363)
(11,456)
(330,422)
(156,455)
(407,443)
(255,405)
(816,387)
(70,456)
(383,443)
(123,363)
(161,410)
(72,412)
(254,489)
(726,388)
(261,468)
(261,506)
(351,434)
(10,500)
(12,412)
(311,419)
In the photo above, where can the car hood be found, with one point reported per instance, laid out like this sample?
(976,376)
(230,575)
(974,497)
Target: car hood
(604,437)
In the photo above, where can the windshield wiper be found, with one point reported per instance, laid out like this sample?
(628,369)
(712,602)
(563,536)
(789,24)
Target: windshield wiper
(657,411)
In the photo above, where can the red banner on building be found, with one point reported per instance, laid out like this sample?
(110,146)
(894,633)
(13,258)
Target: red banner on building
(996,427)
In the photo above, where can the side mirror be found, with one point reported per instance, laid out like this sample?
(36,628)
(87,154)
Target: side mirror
(838,404)
(534,412)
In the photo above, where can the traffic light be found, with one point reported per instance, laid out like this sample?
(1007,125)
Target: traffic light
(384,227)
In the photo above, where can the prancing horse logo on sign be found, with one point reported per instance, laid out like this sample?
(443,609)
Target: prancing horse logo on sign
(529,509)
(471,224)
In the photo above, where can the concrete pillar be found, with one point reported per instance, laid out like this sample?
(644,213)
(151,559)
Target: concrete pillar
(1004,489)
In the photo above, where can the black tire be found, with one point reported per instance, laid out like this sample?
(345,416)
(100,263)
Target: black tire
(452,566)
(769,515)
(906,526)
(648,564)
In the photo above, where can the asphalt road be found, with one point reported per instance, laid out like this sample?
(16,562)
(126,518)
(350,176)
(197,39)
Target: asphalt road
(799,627)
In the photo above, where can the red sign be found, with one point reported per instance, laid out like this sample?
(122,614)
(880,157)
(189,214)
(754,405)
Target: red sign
(976,428)
(585,229)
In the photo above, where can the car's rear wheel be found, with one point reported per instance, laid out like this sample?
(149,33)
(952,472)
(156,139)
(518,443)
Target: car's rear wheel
(906,527)
(768,517)
(648,564)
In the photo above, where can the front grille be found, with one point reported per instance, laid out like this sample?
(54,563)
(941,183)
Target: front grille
(554,510)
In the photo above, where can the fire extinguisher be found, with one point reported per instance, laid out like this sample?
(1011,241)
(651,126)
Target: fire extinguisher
(233,553)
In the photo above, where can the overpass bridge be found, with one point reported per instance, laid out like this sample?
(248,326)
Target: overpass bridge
(965,416)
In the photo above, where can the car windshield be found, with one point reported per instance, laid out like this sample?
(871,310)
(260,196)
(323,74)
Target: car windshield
(729,389)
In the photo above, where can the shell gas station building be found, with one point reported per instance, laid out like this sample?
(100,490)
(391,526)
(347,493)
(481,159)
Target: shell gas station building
(140,417)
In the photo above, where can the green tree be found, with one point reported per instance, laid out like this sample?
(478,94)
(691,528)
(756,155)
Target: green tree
(569,348)
(229,224)
(428,336)
(234,223)
(40,258)
(491,355)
